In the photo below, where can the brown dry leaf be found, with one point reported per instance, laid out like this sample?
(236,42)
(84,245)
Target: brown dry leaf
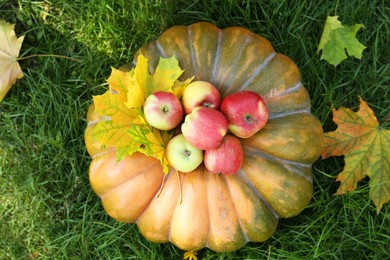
(366,147)
(10,46)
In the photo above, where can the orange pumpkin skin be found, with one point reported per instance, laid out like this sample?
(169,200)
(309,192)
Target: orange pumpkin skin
(222,212)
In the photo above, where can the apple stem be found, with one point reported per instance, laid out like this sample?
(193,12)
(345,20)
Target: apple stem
(187,153)
(165,109)
(205,104)
(249,119)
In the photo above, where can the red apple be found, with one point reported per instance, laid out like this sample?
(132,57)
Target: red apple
(200,93)
(163,110)
(246,113)
(227,158)
(183,156)
(204,128)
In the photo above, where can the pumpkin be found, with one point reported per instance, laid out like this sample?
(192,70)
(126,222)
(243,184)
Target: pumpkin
(199,209)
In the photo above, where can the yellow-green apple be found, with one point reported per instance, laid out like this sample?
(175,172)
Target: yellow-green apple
(200,93)
(226,158)
(182,155)
(163,110)
(246,113)
(204,128)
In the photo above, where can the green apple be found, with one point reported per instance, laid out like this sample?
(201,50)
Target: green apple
(182,155)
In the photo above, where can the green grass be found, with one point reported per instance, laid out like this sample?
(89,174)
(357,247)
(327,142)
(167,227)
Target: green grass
(47,208)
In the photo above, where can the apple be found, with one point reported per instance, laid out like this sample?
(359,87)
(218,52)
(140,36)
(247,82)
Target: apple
(246,113)
(205,127)
(200,93)
(182,155)
(227,158)
(163,110)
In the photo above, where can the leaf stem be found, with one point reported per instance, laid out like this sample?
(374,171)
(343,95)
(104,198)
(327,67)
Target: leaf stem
(47,55)
(181,192)
(162,186)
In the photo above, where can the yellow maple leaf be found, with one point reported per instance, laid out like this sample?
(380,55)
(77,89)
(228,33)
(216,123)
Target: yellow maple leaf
(125,127)
(119,81)
(112,132)
(10,46)
(366,147)
(165,76)
(136,91)
(153,141)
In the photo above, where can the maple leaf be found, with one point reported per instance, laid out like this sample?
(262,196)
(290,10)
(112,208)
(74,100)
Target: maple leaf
(366,147)
(125,127)
(166,74)
(119,81)
(136,92)
(337,39)
(10,46)
(152,141)
(112,132)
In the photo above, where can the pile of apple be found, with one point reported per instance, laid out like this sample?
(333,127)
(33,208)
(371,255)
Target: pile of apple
(212,126)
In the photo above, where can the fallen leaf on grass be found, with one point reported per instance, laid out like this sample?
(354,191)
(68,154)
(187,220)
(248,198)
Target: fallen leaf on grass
(10,46)
(338,39)
(366,147)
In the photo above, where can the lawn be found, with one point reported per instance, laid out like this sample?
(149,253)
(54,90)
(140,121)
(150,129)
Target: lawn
(47,207)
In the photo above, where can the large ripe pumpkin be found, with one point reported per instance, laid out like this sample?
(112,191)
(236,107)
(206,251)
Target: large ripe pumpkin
(199,209)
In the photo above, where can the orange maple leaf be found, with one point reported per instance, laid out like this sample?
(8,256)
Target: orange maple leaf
(366,147)
(10,46)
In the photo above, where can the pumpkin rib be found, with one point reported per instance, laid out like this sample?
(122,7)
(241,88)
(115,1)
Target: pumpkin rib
(192,53)
(257,71)
(203,35)
(155,221)
(160,49)
(120,203)
(103,152)
(235,209)
(150,166)
(216,56)
(237,56)
(285,192)
(284,132)
(267,80)
(241,173)
(225,231)
(258,153)
(289,113)
(256,220)
(190,223)
(274,93)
